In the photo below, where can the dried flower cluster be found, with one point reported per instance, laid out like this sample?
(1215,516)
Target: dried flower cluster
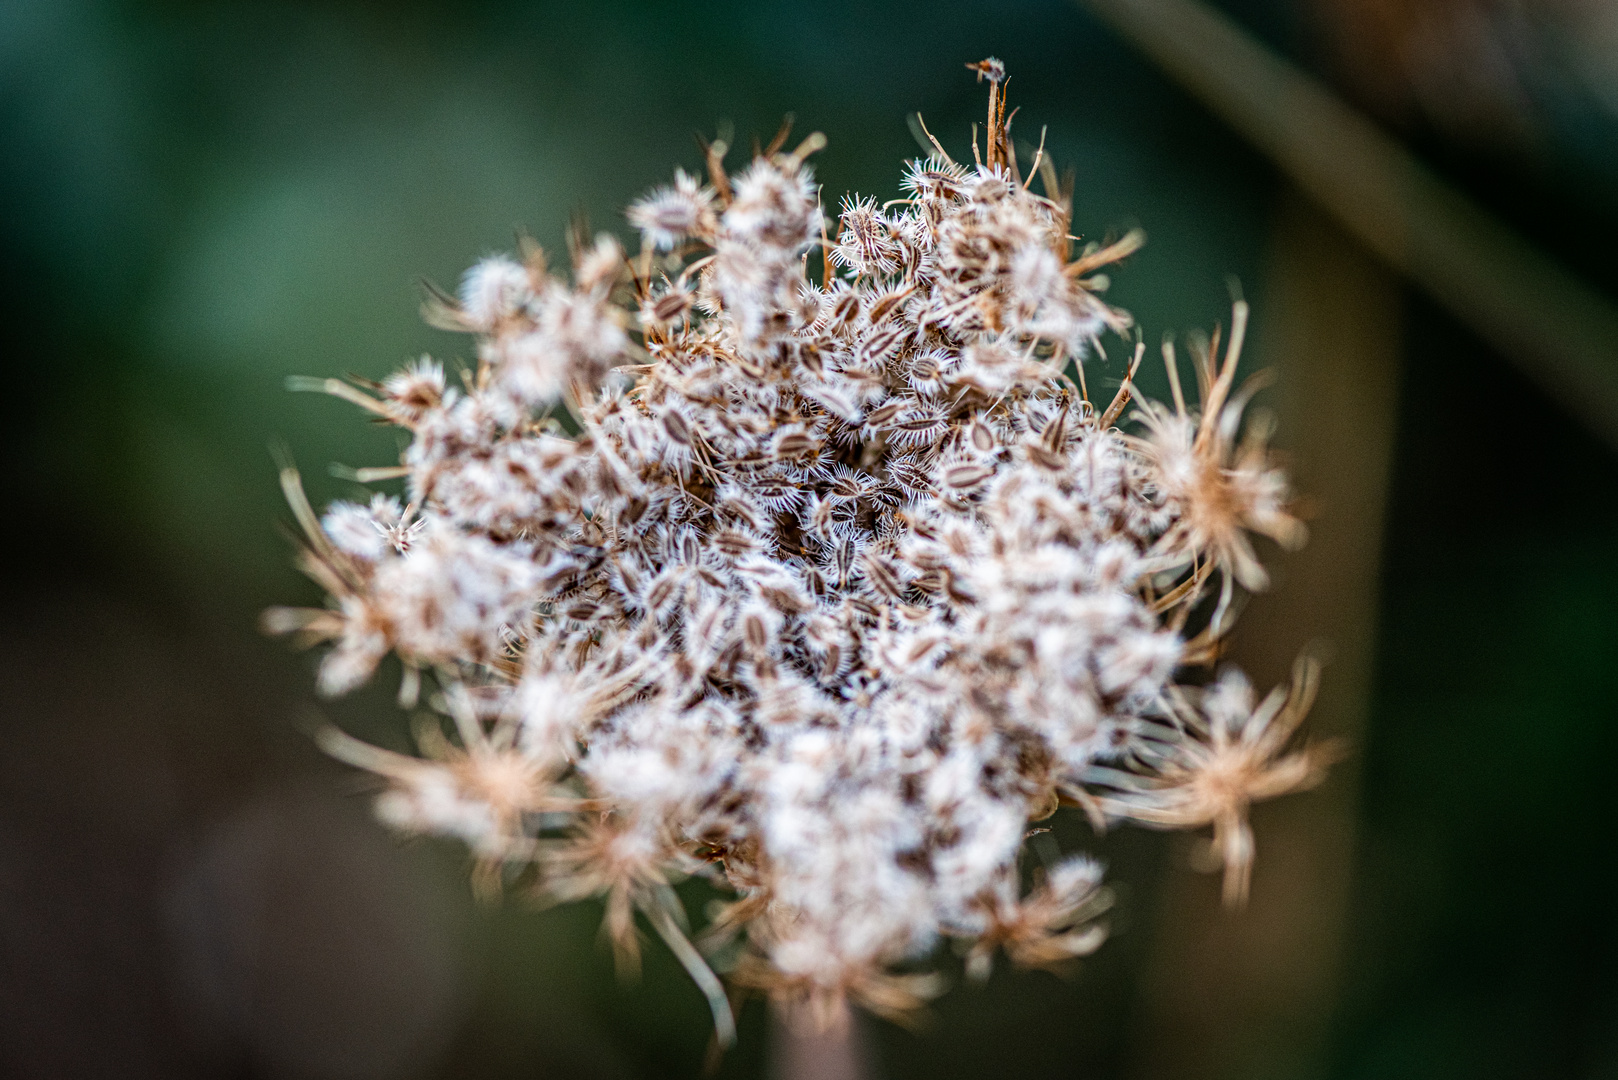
(823,591)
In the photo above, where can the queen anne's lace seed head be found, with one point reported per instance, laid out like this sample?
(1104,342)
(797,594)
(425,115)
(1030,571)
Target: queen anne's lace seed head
(838,585)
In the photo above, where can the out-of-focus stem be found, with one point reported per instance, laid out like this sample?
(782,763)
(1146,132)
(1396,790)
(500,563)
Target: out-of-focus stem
(801,1051)
(1245,993)
(1558,330)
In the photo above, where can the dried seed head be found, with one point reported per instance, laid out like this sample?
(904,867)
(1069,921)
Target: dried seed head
(837,587)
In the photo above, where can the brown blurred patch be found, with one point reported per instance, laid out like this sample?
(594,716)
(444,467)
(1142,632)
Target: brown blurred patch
(1243,993)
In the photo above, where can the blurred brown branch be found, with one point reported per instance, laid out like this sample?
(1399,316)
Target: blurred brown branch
(1562,333)
(1236,996)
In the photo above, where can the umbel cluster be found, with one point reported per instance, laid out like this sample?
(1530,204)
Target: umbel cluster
(819,586)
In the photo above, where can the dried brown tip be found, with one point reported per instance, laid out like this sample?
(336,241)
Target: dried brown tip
(989,68)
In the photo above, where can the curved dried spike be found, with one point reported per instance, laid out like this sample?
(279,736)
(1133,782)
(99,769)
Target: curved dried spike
(668,929)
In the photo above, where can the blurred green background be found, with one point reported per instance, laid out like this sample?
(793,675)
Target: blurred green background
(199,198)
